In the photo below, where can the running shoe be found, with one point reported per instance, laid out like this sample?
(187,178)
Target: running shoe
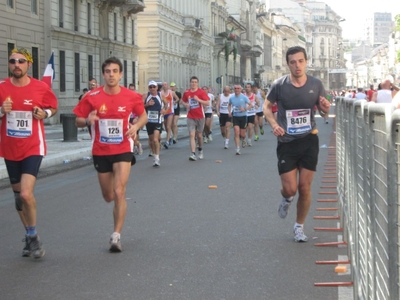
(140,149)
(166,144)
(262,130)
(135,150)
(115,243)
(238,151)
(26,252)
(192,157)
(35,246)
(299,235)
(326,122)
(201,155)
(170,141)
(256,138)
(174,141)
(156,162)
(151,153)
(244,143)
(205,140)
(210,137)
(249,143)
(226,145)
(284,207)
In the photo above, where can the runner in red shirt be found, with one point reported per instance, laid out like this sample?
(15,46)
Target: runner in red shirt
(195,99)
(24,102)
(107,110)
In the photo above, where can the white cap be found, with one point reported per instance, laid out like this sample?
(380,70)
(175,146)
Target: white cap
(152,82)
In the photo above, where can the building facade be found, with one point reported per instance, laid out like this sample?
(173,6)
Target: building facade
(175,42)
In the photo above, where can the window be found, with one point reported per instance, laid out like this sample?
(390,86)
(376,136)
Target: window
(133,32)
(124,29)
(61,13)
(77,73)
(10,47)
(10,4)
(35,65)
(115,26)
(89,18)
(134,73)
(90,67)
(76,15)
(62,71)
(34,7)
(125,73)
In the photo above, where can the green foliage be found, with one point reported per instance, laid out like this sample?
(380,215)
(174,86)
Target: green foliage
(397,22)
(398,56)
(302,38)
(226,50)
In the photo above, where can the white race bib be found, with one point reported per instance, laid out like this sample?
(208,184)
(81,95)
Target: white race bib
(153,116)
(111,131)
(193,103)
(298,121)
(19,124)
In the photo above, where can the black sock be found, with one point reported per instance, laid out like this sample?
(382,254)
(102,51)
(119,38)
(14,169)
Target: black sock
(199,149)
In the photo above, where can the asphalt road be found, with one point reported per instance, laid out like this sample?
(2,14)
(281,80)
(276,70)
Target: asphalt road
(181,240)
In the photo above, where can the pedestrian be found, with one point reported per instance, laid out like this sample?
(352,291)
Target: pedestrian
(259,118)
(296,95)
(370,92)
(170,97)
(251,113)
(385,93)
(107,109)
(177,112)
(25,103)
(360,94)
(238,106)
(84,91)
(138,149)
(208,113)
(155,106)
(194,99)
(223,113)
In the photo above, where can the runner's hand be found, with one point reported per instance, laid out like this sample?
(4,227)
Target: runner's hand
(7,106)
(132,131)
(324,104)
(92,117)
(278,130)
(38,113)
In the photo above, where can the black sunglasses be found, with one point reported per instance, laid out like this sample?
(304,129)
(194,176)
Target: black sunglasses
(19,60)
(152,86)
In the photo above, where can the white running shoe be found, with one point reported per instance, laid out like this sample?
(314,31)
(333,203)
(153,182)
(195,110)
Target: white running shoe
(210,137)
(192,157)
(156,162)
(299,235)
(284,207)
(226,145)
(238,151)
(115,242)
(201,155)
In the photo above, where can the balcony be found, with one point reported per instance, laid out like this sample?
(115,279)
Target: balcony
(129,6)
(245,44)
(133,6)
(256,51)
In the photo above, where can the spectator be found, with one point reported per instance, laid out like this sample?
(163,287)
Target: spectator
(360,94)
(370,92)
(386,92)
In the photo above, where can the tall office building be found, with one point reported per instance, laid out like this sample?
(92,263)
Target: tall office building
(378,28)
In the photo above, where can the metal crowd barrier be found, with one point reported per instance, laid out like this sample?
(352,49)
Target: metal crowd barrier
(368,164)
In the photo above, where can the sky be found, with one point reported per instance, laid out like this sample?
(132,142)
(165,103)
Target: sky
(355,13)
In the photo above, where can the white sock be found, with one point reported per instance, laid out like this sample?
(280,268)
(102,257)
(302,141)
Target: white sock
(226,141)
(157,156)
(298,225)
(290,199)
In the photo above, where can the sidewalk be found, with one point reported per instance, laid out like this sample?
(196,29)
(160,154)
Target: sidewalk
(59,151)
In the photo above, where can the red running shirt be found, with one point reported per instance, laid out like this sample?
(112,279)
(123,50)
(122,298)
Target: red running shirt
(196,109)
(108,134)
(21,134)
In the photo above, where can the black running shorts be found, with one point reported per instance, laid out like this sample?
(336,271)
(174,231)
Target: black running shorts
(301,152)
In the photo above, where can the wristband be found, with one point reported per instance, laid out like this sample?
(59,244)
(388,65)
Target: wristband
(48,113)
